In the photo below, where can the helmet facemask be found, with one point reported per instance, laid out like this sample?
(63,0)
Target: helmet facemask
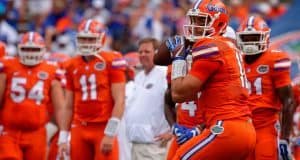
(253,42)
(31,55)
(89,43)
(200,25)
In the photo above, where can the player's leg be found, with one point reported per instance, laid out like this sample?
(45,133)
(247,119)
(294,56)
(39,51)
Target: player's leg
(80,148)
(34,144)
(232,139)
(97,135)
(9,148)
(266,136)
(172,149)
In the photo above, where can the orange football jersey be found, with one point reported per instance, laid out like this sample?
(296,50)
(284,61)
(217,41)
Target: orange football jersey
(2,49)
(91,84)
(27,93)
(187,114)
(270,71)
(218,63)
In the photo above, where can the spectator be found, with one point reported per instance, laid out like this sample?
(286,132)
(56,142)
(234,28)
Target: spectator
(7,33)
(147,127)
(98,11)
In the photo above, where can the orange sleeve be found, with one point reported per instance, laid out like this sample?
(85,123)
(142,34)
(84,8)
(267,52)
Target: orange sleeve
(2,49)
(60,76)
(117,70)
(204,68)
(67,75)
(281,70)
(282,78)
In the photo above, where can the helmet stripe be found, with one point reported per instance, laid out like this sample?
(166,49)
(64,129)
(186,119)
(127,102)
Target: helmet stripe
(30,38)
(87,25)
(197,4)
(250,21)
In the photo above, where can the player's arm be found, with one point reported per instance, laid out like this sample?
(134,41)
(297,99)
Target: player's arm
(2,87)
(118,94)
(169,107)
(2,82)
(63,113)
(288,107)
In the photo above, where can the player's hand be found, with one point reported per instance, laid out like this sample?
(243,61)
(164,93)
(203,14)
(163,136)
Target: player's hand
(63,151)
(176,46)
(106,145)
(284,150)
(189,133)
(163,138)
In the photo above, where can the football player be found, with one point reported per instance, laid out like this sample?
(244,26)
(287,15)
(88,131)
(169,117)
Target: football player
(186,118)
(217,71)
(95,90)
(28,83)
(269,82)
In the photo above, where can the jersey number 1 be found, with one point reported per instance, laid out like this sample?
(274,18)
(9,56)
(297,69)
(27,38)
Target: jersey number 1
(88,87)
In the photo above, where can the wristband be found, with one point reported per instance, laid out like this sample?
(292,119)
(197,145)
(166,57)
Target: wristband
(112,127)
(63,137)
(178,69)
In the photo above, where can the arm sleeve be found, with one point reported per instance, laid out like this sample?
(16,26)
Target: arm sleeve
(117,70)
(281,70)
(282,78)
(203,69)
(60,76)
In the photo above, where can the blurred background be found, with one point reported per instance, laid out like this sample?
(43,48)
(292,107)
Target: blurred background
(128,21)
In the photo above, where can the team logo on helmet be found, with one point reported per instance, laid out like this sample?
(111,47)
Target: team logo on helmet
(43,75)
(99,66)
(214,8)
(262,69)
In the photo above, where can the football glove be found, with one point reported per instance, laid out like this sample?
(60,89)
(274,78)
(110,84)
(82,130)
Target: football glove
(189,133)
(176,46)
(284,150)
(178,130)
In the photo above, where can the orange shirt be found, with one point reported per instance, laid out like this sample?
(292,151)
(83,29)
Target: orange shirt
(2,49)
(218,64)
(91,84)
(268,72)
(27,93)
(187,114)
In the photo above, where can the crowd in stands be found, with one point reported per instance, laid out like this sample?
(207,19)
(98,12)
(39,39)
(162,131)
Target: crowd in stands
(127,21)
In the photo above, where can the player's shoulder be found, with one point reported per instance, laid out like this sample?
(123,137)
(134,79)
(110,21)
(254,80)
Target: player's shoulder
(278,54)
(275,56)
(206,47)
(279,59)
(9,61)
(114,58)
(110,55)
(73,61)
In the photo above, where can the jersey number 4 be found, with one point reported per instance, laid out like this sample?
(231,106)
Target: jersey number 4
(18,91)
